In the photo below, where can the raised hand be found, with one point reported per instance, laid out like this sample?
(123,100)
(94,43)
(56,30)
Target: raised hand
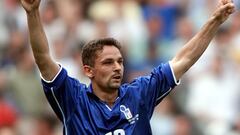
(225,8)
(30,5)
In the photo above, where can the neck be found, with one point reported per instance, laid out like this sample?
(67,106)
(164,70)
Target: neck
(106,95)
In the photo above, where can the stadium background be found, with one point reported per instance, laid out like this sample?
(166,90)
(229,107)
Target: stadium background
(206,103)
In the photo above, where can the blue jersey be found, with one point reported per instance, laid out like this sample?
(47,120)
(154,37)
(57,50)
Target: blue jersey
(83,113)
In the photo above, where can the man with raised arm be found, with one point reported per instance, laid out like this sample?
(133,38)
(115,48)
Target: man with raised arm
(107,107)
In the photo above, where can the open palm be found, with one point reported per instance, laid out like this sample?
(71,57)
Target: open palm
(30,5)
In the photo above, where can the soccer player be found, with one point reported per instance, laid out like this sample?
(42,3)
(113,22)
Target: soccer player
(106,107)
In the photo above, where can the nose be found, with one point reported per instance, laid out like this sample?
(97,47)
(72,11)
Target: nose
(117,66)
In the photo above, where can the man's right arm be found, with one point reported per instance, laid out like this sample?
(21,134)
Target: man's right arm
(38,40)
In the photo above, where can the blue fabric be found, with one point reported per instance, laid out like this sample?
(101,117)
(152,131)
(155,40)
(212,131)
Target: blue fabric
(83,113)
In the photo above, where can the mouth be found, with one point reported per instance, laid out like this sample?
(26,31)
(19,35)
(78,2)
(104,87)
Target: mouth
(117,77)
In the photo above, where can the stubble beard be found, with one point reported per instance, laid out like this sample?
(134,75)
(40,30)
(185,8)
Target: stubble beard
(115,85)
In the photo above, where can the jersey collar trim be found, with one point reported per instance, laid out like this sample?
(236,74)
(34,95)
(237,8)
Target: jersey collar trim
(90,92)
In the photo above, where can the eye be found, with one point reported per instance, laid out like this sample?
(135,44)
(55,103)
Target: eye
(120,61)
(108,62)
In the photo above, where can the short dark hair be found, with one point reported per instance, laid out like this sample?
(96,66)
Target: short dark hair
(89,51)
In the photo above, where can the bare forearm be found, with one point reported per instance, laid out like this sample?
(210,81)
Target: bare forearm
(38,39)
(39,44)
(192,51)
(199,43)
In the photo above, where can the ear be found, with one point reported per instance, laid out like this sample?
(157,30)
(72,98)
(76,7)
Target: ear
(88,71)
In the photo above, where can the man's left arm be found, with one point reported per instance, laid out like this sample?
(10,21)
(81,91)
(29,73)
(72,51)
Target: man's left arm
(192,51)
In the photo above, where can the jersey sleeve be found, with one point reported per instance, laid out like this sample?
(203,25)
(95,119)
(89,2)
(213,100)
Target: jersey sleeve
(156,86)
(62,93)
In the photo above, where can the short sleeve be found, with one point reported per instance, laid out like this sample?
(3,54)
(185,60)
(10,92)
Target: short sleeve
(63,93)
(156,86)
(161,82)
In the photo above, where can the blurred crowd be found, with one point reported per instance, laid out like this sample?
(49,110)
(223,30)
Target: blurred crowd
(207,102)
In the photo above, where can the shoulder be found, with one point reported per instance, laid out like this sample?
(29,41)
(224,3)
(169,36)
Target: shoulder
(62,79)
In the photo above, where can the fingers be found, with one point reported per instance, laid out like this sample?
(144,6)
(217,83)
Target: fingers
(226,1)
(230,11)
(224,10)
(227,8)
(30,5)
(25,4)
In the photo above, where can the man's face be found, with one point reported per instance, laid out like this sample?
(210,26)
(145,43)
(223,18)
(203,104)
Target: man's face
(108,68)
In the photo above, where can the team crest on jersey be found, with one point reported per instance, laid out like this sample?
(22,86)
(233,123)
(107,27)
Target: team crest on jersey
(127,113)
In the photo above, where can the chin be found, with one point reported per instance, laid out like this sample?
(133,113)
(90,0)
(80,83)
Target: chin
(115,86)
